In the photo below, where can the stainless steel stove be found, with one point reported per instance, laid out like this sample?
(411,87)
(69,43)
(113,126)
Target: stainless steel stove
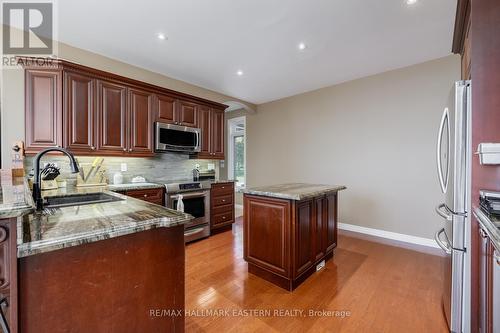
(196,199)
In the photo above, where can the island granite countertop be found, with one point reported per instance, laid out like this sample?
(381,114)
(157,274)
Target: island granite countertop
(57,228)
(294,191)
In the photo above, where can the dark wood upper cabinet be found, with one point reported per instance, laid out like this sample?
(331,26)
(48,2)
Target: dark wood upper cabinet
(211,121)
(43,109)
(166,109)
(140,122)
(79,112)
(112,117)
(91,112)
(217,134)
(188,114)
(206,131)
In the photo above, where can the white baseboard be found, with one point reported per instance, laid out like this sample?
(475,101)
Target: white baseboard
(389,235)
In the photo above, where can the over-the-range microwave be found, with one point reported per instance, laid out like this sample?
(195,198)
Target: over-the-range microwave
(177,138)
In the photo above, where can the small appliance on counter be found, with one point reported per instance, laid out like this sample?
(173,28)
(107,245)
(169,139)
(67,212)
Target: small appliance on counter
(490,202)
(206,175)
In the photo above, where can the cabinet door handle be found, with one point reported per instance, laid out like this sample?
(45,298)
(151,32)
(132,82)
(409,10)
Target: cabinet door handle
(93,148)
(124,149)
(130,150)
(145,195)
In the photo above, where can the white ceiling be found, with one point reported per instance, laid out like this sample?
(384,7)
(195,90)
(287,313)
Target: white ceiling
(210,40)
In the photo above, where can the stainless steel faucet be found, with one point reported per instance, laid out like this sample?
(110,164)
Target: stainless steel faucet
(37,188)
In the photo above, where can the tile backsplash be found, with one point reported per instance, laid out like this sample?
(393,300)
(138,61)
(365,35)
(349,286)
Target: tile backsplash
(162,167)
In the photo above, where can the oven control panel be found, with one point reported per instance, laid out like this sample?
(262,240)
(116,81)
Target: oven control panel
(189,186)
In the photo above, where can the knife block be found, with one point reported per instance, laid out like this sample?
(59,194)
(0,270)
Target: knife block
(95,179)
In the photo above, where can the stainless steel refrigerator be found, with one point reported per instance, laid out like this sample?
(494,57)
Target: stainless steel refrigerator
(454,167)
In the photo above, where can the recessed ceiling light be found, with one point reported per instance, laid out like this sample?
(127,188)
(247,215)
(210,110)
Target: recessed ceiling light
(239,72)
(302,46)
(411,2)
(161,36)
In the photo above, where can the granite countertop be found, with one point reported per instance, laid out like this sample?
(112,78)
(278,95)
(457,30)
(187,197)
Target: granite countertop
(58,228)
(490,224)
(159,184)
(293,191)
(15,199)
(135,186)
(221,181)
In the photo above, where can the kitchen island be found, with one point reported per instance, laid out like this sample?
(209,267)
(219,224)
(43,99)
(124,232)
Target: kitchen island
(99,267)
(289,230)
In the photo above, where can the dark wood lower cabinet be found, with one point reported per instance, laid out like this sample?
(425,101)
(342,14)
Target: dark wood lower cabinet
(119,285)
(489,285)
(8,273)
(221,207)
(154,195)
(284,240)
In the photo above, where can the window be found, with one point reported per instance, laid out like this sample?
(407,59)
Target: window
(236,156)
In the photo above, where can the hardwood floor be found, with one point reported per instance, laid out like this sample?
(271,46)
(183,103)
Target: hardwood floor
(382,288)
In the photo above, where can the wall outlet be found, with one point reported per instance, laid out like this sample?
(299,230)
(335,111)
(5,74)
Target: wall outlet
(123,167)
(320,266)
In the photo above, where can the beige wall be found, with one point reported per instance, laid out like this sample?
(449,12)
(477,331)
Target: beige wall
(375,135)
(12,90)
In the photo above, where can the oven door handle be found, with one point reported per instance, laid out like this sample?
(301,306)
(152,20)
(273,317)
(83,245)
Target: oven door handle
(193,231)
(189,195)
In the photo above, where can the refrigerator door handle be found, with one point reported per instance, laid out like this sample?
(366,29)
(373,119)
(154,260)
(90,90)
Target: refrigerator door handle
(445,246)
(444,120)
(445,214)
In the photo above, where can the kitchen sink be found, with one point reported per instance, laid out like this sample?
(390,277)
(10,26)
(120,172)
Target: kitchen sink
(78,200)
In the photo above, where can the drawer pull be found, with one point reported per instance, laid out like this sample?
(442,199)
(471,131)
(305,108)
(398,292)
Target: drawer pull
(223,200)
(223,217)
